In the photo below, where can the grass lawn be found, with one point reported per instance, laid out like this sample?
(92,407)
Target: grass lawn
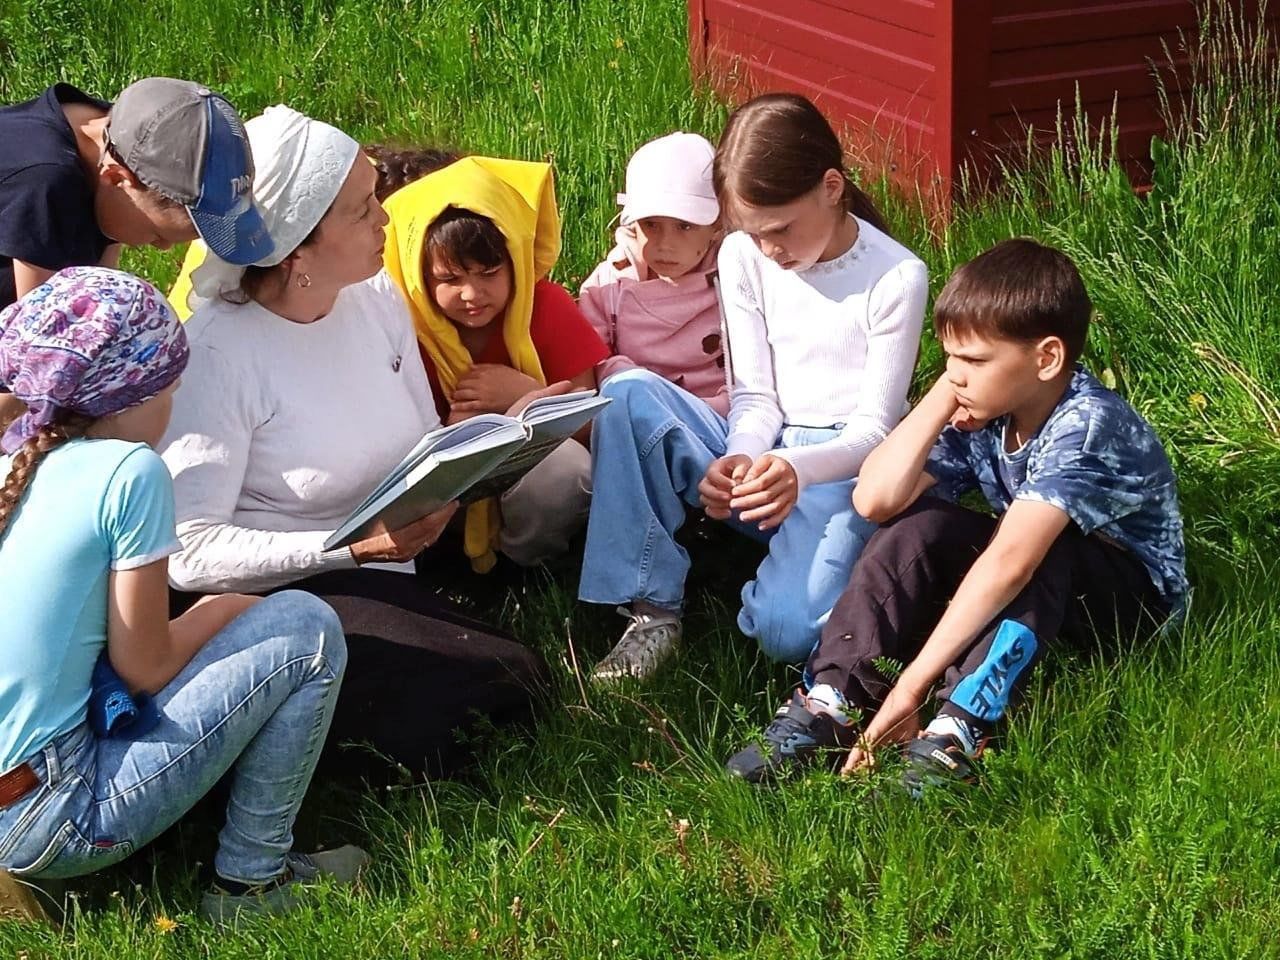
(1133,809)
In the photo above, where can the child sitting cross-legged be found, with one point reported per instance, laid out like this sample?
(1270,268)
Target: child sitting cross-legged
(653,300)
(1086,541)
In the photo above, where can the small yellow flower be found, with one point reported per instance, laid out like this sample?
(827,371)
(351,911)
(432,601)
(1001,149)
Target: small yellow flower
(619,43)
(1198,402)
(613,64)
(165,924)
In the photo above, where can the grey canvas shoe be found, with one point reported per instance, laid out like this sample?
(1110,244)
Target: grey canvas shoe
(648,642)
(342,866)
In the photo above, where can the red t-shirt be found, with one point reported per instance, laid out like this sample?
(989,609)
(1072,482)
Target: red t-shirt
(566,342)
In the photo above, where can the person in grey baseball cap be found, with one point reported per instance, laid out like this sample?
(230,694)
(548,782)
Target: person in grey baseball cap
(80,177)
(167,162)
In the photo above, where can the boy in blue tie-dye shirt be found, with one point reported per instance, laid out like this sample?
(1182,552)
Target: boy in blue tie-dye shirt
(1087,537)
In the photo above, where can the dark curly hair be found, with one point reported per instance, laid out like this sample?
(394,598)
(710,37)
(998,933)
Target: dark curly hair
(400,166)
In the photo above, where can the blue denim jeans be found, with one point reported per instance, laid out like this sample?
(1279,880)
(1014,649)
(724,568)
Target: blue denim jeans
(650,448)
(257,697)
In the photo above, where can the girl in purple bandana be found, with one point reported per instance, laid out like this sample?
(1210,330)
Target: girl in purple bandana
(86,529)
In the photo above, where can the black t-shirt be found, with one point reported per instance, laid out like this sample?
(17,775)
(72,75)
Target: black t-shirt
(46,202)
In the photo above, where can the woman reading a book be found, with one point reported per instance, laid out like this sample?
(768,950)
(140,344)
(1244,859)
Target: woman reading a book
(305,388)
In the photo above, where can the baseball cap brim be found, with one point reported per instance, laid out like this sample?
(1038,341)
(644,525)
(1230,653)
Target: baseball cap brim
(239,238)
(703,211)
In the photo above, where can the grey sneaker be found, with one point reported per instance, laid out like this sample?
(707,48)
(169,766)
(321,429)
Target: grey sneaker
(646,644)
(342,866)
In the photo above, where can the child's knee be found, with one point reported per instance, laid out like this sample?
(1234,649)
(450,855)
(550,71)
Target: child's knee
(906,534)
(785,629)
(626,382)
(632,391)
(548,506)
(312,624)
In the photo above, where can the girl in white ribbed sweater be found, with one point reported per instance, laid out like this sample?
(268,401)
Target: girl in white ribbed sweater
(823,313)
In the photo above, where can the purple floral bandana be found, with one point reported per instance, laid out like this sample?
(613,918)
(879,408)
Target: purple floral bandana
(89,340)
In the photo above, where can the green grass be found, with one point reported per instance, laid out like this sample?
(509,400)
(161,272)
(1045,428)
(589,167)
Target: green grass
(1133,811)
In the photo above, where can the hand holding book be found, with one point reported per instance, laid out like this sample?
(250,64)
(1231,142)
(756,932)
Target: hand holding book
(480,457)
(383,545)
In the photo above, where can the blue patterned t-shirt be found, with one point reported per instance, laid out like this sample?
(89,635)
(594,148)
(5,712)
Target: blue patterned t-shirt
(1095,459)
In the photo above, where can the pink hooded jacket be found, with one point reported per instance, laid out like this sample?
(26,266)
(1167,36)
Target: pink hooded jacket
(669,327)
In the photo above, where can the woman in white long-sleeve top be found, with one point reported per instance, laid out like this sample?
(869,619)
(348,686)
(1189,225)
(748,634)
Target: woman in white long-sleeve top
(305,388)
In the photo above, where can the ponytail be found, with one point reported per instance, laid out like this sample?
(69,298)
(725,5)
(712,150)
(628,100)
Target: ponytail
(22,469)
(778,147)
(863,207)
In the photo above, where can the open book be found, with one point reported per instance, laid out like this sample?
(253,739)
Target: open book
(468,461)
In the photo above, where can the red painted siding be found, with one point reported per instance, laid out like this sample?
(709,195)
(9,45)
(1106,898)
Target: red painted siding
(870,65)
(925,88)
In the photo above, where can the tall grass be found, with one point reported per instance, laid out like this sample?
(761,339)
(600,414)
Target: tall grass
(580,82)
(1132,811)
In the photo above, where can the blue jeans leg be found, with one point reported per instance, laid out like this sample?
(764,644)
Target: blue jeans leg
(650,448)
(810,559)
(257,697)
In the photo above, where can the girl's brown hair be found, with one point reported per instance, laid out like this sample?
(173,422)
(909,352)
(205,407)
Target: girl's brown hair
(464,238)
(775,149)
(400,166)
(22,469)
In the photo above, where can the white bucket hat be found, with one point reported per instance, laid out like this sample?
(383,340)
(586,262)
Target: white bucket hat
(671,177)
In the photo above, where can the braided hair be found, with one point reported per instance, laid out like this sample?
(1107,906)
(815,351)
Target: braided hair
(22,468)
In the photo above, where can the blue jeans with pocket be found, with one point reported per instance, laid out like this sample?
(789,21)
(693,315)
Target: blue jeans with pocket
(256,699)
(650,448)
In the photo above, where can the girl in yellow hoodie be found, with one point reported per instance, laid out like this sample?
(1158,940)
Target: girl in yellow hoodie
(470,247)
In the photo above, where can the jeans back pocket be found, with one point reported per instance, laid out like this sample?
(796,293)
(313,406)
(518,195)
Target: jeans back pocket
(70,854)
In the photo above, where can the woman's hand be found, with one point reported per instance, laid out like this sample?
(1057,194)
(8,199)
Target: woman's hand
(715,490)
(766,493)
(393,546)
(490,388)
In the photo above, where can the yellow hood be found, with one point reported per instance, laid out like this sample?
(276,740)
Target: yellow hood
(519,197)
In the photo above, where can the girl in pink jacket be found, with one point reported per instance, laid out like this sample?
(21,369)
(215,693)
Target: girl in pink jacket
(653,300)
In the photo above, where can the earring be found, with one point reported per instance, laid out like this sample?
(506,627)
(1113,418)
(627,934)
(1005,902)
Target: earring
(304,280)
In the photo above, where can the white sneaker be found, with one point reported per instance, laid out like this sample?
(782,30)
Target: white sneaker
(648,642)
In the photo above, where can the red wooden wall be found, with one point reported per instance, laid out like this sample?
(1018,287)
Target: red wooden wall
(925,87)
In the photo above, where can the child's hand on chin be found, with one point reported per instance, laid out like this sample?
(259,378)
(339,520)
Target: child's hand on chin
(962,419)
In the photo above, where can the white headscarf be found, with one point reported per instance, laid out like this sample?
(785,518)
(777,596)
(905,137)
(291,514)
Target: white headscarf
(300,165)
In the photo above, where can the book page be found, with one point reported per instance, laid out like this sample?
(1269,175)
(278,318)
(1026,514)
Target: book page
(480,457)
(442,475)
